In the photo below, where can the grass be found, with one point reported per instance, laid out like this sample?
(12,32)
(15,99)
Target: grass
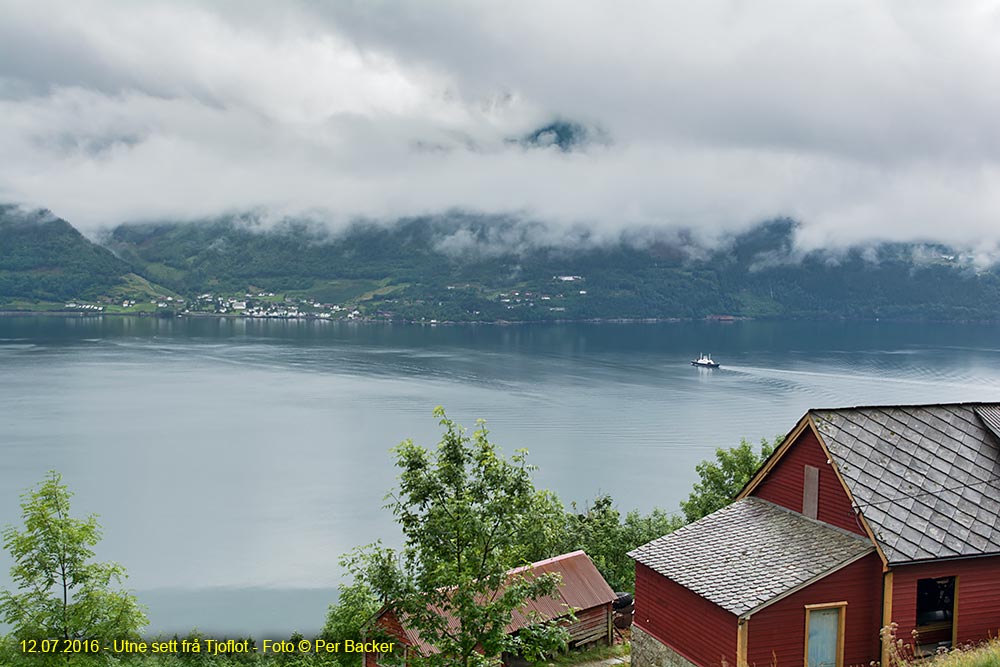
(986,654)
(26,305)
(339,290)
(983,655)
(592,655)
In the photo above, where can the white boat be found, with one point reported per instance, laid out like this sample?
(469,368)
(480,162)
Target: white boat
(705,361)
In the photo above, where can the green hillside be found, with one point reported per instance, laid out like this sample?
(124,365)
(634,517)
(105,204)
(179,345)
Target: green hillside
(478,268)
(468,268)
(45,262)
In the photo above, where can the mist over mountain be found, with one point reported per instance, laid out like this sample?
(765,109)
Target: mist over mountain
(485,268)
(468,267)
(709,117)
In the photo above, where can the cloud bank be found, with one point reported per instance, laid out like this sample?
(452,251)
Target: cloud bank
(863,119)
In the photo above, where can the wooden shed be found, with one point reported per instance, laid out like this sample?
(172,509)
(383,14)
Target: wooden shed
(582,590)
(862,518)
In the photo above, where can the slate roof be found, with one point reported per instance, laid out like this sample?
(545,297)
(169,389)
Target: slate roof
(750,554)
(926,477)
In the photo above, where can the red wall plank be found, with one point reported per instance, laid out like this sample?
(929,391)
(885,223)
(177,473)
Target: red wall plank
(783,485)
(777,633)
(702,632)
(978,597)
(389,623)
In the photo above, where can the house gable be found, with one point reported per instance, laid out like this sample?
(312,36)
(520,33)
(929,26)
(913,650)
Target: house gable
(750,554)
(776,634)
(917,489)
(783,481)
(696,587)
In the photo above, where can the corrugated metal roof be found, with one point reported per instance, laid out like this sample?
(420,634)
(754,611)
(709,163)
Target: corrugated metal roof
(925,477)
(990,414)
(750,554)
(582,587)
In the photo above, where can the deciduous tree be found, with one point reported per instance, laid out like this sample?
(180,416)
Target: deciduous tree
(722,479)
(61,592)
(467,514)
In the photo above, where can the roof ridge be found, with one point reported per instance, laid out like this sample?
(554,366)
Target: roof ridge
(549,561)
(938,404)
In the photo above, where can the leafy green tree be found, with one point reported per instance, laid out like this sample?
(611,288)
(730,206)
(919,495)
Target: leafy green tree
(466,514)
(722,479)
(61,593)
(356,604)
(601,531)
(545,534)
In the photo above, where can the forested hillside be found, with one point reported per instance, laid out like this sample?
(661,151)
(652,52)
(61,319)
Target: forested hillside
(44,259)
(476,268)
(463,268)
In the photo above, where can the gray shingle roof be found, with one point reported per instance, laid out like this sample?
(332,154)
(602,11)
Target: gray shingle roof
(750,553)
(926,477)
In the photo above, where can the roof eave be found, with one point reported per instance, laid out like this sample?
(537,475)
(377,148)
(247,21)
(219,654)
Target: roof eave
(939,559)
(795,589)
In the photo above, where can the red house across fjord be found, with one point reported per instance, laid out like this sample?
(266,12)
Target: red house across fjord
(862,518)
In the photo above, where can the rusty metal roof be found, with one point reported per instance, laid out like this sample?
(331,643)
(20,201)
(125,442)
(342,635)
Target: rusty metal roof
(582,587)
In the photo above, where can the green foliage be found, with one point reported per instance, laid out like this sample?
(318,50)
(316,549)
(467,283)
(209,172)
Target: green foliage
(61,593)
(455,268)
(45,258)
(466,513)
(545,534)
(600,531)
(356,604)
(722,479)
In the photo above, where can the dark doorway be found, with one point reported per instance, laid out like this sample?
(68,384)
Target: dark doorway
(935,612)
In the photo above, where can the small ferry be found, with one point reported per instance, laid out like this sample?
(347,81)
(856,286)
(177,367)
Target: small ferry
(705,361)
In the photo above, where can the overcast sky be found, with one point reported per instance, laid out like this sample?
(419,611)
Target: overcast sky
(863,119)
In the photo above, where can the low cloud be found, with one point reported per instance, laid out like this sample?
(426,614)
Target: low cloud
(865,120)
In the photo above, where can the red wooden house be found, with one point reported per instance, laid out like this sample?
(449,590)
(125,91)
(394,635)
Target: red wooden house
(582,590)
(863,517)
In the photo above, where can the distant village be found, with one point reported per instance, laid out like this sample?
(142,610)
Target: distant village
(259,304)
(271,305)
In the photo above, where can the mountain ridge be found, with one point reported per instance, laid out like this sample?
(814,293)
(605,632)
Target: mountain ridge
(464,267)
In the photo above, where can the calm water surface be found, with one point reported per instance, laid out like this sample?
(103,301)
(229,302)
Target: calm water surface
(231,461)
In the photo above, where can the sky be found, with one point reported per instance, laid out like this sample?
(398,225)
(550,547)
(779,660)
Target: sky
(864,120)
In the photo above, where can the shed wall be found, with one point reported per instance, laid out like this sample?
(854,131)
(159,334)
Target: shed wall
(697,629)
(783,485)
(591,625)
(978,614)
(388,623)
(776,634)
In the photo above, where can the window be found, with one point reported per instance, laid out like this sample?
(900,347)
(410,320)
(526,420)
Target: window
(810,492)
(825,634)
(935,623)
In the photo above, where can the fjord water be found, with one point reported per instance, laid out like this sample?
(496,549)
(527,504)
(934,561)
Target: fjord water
(233,461)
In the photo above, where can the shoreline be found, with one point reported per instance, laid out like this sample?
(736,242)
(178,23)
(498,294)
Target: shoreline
(711,319)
